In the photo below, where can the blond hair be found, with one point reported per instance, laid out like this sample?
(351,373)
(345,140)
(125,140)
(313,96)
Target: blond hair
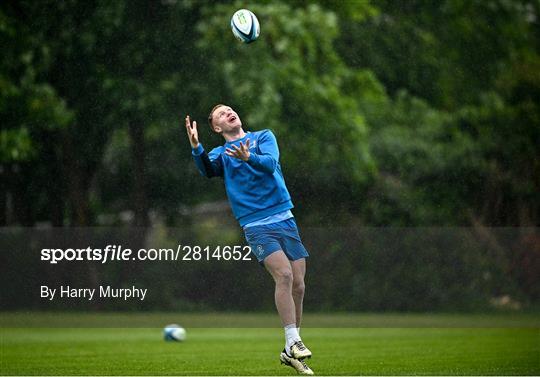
(212,113)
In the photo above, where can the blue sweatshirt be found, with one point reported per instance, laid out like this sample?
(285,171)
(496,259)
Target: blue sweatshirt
(255,188)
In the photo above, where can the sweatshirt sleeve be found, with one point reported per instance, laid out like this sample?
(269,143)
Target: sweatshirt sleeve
(208,165)
(267,158)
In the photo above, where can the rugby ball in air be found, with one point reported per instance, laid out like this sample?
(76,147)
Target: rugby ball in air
(245,26)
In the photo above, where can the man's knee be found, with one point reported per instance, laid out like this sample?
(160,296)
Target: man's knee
(299,287)
(283,276)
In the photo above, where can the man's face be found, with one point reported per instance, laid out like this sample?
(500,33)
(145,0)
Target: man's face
(225,119)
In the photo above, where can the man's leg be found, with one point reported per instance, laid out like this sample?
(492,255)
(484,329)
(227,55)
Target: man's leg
(298,287)
(280,268)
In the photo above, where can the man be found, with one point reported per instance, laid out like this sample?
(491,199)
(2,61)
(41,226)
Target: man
(249,164)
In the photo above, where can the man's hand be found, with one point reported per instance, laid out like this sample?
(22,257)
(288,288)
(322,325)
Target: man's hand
(241,152)
(192,133)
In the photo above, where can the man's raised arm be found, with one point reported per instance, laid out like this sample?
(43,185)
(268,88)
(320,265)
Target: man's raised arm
(207,167)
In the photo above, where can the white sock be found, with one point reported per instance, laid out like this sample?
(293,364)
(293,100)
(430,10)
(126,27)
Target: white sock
(291,336)
(298,330)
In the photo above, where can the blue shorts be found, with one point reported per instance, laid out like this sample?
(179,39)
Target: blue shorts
(267,239)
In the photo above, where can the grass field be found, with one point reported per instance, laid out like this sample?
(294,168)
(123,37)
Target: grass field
(418,350)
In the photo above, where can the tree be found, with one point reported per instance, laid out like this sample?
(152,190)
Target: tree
(33,115)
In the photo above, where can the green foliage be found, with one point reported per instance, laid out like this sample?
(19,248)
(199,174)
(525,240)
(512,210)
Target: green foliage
(413,106)
(421,156)
(462,153)
(28,107)
(446,52)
